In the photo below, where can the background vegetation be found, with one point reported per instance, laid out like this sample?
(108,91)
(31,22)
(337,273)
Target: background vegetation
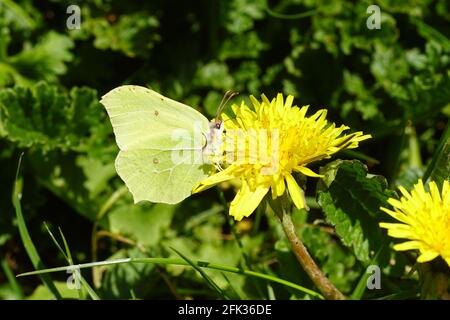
(393,83)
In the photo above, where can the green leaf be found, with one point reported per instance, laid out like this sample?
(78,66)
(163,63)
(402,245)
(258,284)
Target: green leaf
(351,200)
(68,139)
(42,292)
(244,45)
(248,77)
(83,182)
(364,101)
(418,81)
(145,223)
(44,61)
(45,117)
(17,15)
(215,75)
(241,14)
(430,33)
(132,34)
(334,259)
(212,102)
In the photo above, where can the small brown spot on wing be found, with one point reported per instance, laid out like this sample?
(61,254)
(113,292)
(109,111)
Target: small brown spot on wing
(156,113)
(155,160)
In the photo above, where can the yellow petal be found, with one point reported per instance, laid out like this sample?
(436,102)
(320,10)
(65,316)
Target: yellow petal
(420,190)
(427,256)
(397,230)
(435,191)
(395,203)
(246,201)
(401,233)
(255,102)
(408,245)
(278,187)
(397,215)
(235,108)
(265,100)
(296,192)
(303,111)
(384,224)
(211,181)
(448,261)
(318,114)
(279,103)
(404,192)
(289,101)
(308,172)
(229,123)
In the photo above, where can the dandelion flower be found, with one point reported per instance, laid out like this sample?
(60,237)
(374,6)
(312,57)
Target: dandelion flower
(265,146)
(425,221)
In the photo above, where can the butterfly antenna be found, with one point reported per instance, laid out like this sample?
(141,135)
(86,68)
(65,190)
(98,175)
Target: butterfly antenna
(225,99)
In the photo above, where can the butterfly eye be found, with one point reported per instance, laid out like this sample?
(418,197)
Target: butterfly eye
(218,124)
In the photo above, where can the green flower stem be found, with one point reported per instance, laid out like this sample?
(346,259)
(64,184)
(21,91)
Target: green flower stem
(320,280)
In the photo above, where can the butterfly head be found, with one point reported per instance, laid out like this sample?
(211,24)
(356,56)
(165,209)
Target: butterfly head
(216,127)
(218,124)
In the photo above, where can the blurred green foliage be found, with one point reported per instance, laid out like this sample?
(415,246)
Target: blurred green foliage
(393,83)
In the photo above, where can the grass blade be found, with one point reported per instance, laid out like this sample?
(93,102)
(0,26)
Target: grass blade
(403,295)
(68,256)
(83,281)
(56,243)
(270,292)
(236,295)
(25,236)
(12,280)
(175,261)
(362,283)
(208,280)
(438,168)
(66,246)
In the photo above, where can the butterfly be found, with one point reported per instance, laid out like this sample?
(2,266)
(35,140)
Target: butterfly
(164,145)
